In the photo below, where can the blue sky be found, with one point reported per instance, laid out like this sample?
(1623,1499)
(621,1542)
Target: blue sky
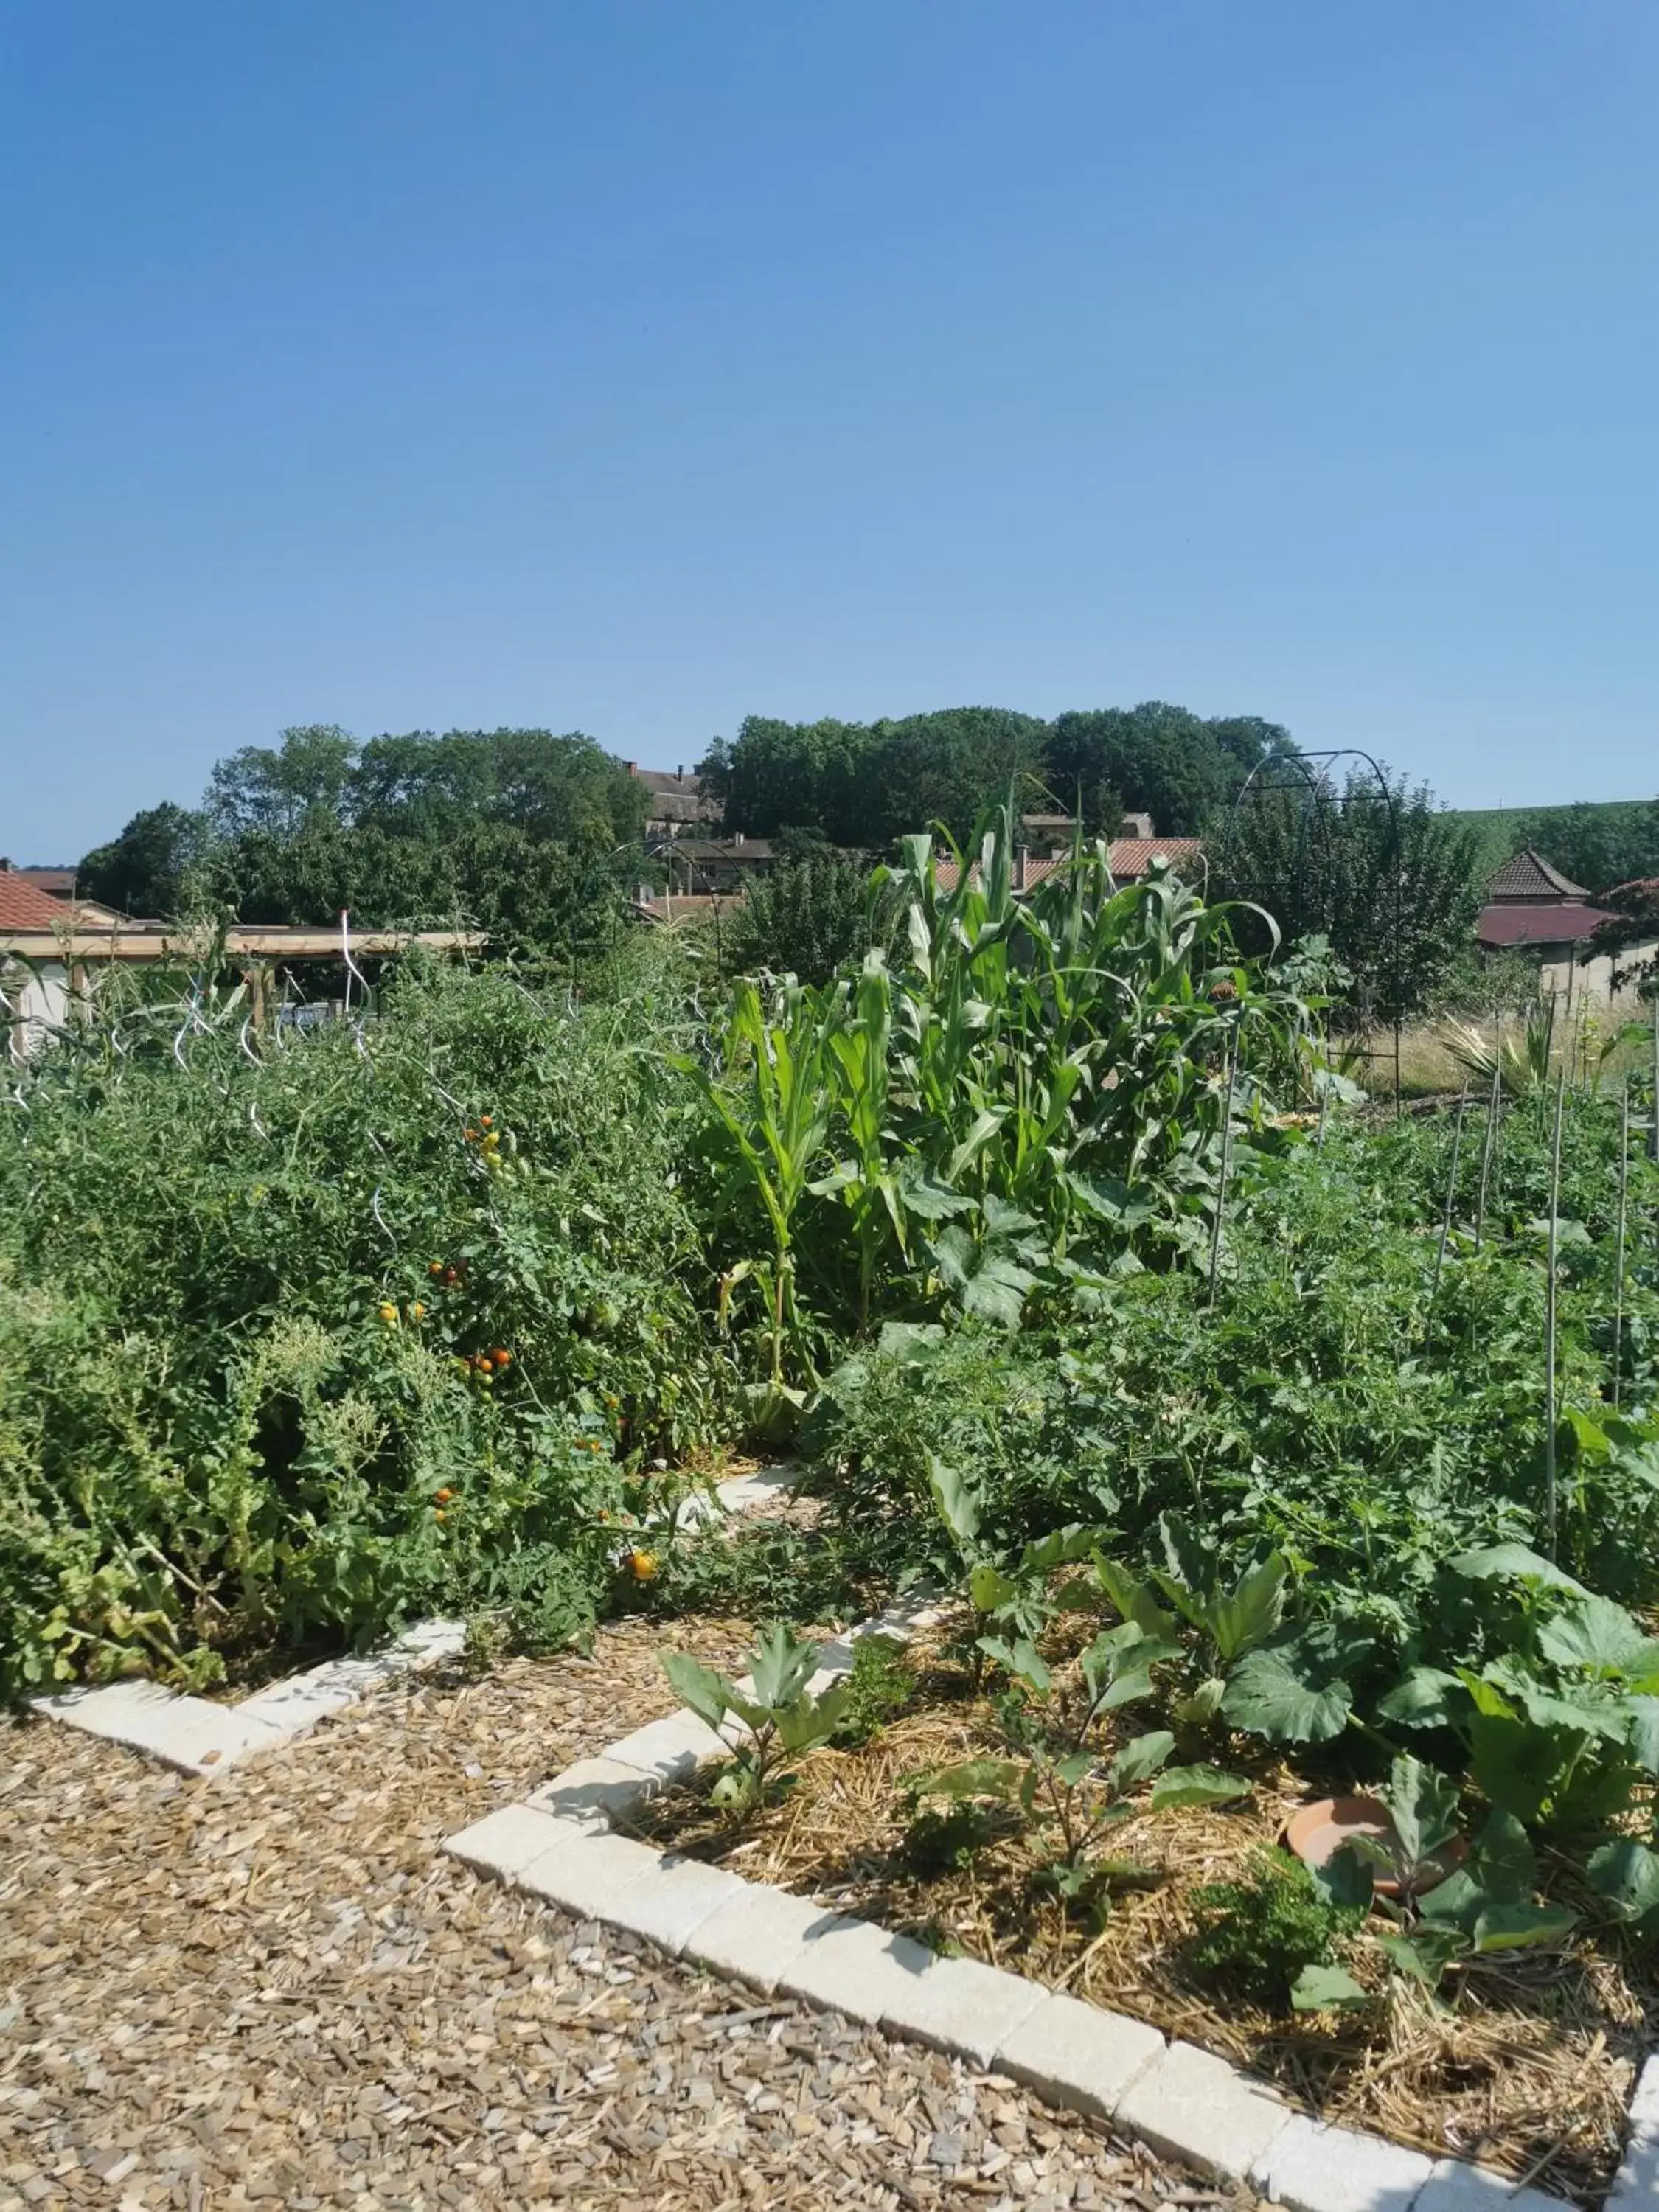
(633,365)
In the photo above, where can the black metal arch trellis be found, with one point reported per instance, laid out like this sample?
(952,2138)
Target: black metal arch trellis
(1309,776)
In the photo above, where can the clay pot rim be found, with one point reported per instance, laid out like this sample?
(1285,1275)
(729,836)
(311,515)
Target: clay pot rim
(1323,1813)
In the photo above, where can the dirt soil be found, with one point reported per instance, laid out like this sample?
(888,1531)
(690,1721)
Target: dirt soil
(273,1988)
(1529,2070)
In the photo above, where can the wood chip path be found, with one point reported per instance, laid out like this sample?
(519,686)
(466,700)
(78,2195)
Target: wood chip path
(273,1988)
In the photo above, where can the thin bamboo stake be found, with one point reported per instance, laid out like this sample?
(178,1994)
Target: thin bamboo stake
(1619,1247)
(1489,1142)
(1226,1147)
(1549,1318)
(1653,1132)
(1451,1191)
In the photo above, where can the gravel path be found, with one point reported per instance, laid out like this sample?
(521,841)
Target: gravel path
(272,1987)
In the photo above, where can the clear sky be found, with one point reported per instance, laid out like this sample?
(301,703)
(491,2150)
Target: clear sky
(634,365)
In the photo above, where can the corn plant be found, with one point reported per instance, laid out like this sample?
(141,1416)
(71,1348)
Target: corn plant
(866,1178)
(774,1099)
(1063,1051)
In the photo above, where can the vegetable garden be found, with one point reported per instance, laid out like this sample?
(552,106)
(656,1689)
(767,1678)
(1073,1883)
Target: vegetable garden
(1270,1450)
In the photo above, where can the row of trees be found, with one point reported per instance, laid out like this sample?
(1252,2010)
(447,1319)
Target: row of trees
(1598,845)
(535,837)
(528,834)
(866,784)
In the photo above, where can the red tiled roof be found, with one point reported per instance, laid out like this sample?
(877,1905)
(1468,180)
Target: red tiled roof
(946,872)
(1130,857)
(1566,923)
(23,909)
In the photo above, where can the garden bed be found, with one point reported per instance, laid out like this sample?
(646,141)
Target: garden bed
(1524,2066)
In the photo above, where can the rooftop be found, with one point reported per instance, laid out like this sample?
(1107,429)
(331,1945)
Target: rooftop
(25,907)
(1526,875)
(1535,921)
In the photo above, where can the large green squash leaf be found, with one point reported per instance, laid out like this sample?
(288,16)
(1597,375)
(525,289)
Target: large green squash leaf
(1268,1695)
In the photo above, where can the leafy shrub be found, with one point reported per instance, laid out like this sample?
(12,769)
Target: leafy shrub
(1259,1936)
(878,1689)
(940,1843)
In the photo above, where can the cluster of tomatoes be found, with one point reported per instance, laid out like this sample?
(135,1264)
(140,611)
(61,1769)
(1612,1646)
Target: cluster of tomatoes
(444,1502)
(488,1140)
(452,1275)
(389,1314)
(484,1366)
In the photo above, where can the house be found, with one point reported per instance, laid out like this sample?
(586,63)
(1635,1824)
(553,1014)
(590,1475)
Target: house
(712,865)
(34,989)
(1533,909)
(56,882)
(1131,858)
(679,802)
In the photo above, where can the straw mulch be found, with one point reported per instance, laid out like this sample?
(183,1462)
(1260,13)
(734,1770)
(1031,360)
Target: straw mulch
(1529,2070)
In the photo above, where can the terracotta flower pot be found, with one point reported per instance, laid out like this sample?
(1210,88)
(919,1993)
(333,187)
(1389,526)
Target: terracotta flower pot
(1318,1831)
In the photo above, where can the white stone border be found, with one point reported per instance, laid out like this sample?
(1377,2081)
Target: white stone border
(1183,2102)
(200,1737)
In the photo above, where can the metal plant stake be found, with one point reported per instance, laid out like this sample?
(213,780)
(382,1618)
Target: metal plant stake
(1489,1142)
(1549,1316)
(1226,1150)
(1618,1247)
(1451,1191)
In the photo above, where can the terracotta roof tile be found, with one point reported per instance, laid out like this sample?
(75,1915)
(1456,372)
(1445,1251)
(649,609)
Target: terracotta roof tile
(1528,875)
(1134,856)
(24,908)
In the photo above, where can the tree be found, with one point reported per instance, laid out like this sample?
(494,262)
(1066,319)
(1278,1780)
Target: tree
(807,918)
(864,784)
(1392,881)
(1158,759)
(567,788)
(155,868)
(275,789)
(947,767)
(1596,845)
(1633,923)
(778,775)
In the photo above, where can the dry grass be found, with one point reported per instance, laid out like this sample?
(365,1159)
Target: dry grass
(1528,2070)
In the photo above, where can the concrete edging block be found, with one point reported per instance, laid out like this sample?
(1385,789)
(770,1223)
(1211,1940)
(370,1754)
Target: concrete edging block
(669,1749)
(671,1909)
(200,1737)
(755,1933)
(191,1734)
(1076,2054)
(1311,2166)
(593,1792)
(1190,2105)
(962,2005)
(504,1843)
(588,1873)
(1454,2185)
(852,1966)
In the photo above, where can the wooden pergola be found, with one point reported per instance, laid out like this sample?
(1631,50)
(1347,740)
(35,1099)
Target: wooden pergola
(79,945)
